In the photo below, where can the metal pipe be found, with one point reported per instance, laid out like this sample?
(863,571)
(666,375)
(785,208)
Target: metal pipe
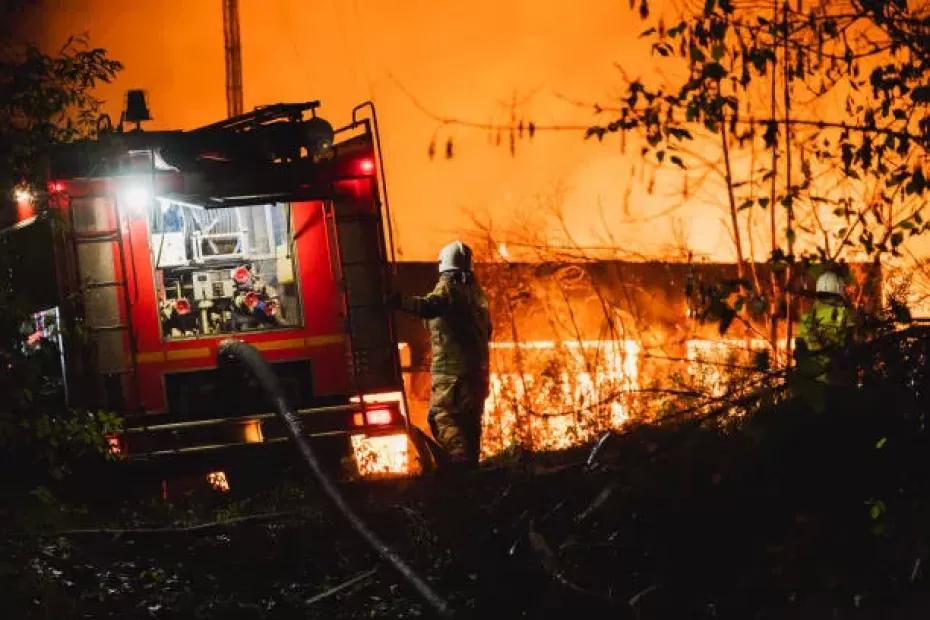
(235,350)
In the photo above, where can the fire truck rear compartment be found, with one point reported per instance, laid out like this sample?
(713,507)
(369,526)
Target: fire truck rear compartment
(171,242)
(222,271)
(226,392)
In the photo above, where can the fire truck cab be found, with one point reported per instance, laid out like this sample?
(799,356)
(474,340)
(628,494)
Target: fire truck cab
(269,228)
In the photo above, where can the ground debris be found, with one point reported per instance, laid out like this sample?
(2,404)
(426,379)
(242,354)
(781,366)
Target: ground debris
(783,515)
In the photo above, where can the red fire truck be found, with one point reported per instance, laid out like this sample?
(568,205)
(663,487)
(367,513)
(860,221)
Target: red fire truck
(271,228)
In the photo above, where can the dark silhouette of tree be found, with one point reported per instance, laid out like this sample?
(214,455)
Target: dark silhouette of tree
(45,99)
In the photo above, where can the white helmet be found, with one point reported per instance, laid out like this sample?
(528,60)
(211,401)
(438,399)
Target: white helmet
(829,282)
(456,255)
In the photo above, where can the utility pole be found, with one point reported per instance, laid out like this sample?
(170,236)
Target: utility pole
(233,48)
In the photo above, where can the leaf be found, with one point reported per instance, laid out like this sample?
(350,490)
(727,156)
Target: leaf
(881,443)
(709,6)
(696,54)
(647,32)
(877,509)
(921,94)
(714,71)
(675,159)
(727,314)
(660,155)
(717,51)
(680,133)
(595,131)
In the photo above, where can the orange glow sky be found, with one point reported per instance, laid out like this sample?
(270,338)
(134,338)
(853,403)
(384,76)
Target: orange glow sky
(462,59)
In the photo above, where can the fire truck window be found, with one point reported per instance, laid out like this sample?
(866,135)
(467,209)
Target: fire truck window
(222,271)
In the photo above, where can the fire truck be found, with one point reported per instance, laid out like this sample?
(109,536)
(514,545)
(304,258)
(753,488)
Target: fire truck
(272,228)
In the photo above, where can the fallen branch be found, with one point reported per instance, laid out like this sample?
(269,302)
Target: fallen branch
(592,457)
(190,529)
(550,564)
(345,585)
(637,598)
(597,502)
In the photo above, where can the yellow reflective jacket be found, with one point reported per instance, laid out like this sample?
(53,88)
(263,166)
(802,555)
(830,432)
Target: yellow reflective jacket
(825,330)
(826,325)
(459,324)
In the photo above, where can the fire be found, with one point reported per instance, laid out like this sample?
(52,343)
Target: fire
(563,393)
(713,363)
(380,454)
(217,481)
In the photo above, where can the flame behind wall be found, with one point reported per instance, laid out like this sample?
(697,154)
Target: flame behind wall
(612,344)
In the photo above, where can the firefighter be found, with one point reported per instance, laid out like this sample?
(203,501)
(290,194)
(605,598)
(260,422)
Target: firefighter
(824,332)
(460,328)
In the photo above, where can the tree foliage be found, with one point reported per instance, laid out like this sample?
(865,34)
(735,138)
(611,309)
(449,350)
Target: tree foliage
(46,99)
(749,70)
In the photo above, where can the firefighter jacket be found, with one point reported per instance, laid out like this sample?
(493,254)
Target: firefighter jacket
(824,329)
(459,325)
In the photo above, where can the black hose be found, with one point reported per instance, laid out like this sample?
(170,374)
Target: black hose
(261,370)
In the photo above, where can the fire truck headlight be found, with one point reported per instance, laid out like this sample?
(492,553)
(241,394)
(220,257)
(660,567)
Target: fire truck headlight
(137,197)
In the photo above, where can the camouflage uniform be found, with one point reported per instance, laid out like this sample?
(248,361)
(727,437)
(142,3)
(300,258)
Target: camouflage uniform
(460,328)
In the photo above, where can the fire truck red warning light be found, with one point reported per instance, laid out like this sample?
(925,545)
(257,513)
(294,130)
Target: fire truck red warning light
(366,166)
(377,417)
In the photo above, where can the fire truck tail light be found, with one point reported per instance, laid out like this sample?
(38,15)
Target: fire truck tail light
(393,401)
(115,445)
(378,417)
(366,166)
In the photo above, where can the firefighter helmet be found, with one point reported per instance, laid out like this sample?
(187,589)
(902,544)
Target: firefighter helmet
(455,256)
(829,283)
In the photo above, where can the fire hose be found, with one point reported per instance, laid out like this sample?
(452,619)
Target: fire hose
(251,359)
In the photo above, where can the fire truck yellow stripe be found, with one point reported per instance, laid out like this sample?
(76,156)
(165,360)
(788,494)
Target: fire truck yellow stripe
(156,357)
(150,357)
(316,341)
(187,354)
(277,345)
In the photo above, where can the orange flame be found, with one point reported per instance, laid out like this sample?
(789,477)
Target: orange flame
(380,454)
(218,482)
(562,393)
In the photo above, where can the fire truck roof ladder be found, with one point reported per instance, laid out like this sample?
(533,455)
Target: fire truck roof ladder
(369,348)
(100,260)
